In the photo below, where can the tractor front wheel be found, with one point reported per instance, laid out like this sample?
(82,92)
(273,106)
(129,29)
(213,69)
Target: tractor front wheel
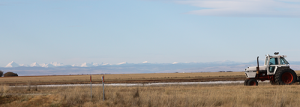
(285,77)
(251,82)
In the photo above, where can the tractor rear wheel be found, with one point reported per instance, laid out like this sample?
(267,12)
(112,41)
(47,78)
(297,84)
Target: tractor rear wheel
(252,82)
(285,77)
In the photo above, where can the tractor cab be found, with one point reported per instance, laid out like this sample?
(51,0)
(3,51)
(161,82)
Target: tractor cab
(276,62)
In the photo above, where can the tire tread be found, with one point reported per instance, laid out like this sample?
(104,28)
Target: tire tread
(278,75)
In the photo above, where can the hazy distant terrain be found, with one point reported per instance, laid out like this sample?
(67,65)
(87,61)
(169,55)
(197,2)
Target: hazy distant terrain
(125,68)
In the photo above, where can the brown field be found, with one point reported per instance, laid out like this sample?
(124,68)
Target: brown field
(126,78)
(229,95)
(226,95)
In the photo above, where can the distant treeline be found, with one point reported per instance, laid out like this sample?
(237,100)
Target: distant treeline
(8,74)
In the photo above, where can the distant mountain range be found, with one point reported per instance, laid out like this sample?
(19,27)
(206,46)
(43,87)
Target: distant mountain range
(56,64)
(55,68)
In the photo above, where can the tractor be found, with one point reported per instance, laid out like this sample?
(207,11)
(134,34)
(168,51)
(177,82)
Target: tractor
(276,69)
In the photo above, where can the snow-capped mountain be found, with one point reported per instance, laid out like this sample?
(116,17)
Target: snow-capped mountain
(12,64)
(35,64)
(56,64)
(74,65)
(122,63)
(46,65)
(55,68)
(23,65)
(88,64)
(105,64)
(175,63)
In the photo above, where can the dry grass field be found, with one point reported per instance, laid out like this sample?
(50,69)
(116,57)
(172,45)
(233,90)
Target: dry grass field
(225,95)
(125,78)
(230,95)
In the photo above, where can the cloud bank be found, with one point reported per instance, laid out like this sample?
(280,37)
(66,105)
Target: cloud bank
(245,8)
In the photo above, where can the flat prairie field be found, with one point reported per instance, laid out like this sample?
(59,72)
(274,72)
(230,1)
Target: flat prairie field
(222,95)
(200,95)
(126,78)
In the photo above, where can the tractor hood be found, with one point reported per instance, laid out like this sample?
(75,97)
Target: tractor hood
(250,69)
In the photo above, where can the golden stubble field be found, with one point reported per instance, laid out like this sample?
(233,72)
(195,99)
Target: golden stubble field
(229,95)
(222,95)
(125,78)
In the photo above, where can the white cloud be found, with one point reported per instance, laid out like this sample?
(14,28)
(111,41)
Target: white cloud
(145,62)
(245,8)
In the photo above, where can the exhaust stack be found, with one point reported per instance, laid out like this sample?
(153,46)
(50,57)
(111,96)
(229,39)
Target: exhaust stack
(257,68)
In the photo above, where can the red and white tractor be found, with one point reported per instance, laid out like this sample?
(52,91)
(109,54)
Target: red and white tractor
(276,69)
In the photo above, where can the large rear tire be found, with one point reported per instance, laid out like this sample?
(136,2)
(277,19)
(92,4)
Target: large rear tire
(251,82)
(285,77)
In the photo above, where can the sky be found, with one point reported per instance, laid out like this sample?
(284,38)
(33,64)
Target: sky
(156,31)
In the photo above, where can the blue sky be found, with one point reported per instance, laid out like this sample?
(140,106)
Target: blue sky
(157,31)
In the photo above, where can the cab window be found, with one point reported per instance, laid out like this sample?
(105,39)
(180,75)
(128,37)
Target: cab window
(283,61)
(273,61)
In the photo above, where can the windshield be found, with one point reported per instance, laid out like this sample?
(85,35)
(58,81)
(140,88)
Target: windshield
(283,61)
